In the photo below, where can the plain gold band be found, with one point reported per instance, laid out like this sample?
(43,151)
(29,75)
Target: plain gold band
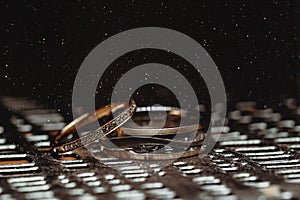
(160,131)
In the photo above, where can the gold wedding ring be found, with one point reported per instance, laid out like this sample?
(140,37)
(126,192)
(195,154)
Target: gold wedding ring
(138,135)
(175,111)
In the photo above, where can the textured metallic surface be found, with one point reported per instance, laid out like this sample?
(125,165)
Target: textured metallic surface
(256,158)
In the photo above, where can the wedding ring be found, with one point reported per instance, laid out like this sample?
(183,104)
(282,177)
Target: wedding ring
(62,146)
(172,111)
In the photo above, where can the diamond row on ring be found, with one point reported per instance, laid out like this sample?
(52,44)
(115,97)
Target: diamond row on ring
(102,131)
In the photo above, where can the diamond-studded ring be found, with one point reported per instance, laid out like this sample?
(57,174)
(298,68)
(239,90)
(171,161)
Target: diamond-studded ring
(60,143)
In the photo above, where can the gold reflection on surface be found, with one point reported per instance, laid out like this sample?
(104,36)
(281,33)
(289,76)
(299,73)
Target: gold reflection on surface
(13,162)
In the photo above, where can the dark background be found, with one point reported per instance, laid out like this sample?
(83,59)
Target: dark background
(254,43)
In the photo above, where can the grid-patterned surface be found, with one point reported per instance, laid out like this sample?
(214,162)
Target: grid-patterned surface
(256,158)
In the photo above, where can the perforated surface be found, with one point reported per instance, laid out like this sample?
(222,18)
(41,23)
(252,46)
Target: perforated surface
(256,157)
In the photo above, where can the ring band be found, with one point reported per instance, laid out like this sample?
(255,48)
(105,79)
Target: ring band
(101,132)
(160,131)
(86,119)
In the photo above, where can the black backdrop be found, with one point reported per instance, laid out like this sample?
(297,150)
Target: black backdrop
(254,43)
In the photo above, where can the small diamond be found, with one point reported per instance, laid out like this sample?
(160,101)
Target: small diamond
(88,139)
(84,140)
(98,133)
